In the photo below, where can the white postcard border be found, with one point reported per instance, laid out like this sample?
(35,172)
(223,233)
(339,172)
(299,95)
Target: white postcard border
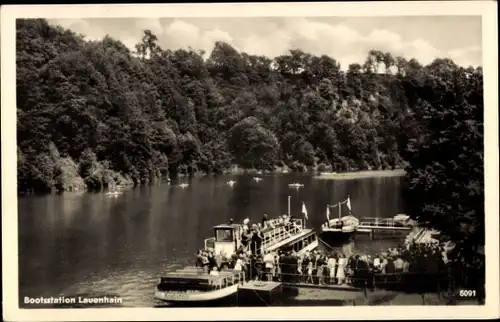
(487,9)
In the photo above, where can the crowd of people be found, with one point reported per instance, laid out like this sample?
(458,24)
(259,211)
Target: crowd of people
(420,265)
(414,266)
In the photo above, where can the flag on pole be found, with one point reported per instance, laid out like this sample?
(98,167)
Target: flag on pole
(327,213)
(304,210)
(349,203)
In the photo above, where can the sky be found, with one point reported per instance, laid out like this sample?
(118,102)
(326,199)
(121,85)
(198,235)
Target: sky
(347,39)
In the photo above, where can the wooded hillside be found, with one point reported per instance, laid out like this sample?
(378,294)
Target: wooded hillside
(94,113)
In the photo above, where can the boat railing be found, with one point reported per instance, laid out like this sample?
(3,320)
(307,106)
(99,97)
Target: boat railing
(226,281)
(281,233)
(228,278)
(372,221)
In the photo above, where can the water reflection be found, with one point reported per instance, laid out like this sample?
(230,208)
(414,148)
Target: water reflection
(88,242)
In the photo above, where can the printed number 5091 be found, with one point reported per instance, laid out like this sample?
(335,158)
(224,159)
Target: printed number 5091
(467,293)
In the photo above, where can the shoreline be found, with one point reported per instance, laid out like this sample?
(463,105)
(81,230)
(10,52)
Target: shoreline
(240,171)
(361,174)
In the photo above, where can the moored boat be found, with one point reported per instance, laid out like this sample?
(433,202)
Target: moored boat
(342,226)
(192,286)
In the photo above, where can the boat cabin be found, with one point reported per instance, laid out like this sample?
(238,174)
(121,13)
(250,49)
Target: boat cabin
(227,238)
(277,235)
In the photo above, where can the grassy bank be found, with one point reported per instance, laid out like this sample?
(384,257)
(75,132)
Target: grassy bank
(361,174)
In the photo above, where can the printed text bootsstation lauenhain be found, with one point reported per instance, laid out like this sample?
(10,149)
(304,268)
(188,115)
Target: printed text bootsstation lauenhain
(73,300)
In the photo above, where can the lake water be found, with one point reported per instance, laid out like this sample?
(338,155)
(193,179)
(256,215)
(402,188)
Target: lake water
(91,243)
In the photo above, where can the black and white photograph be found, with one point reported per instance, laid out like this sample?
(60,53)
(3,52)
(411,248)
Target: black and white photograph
(292,160)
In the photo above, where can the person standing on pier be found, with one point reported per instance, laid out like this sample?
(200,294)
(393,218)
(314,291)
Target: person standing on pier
(269,265)
(341,264)
(332,262)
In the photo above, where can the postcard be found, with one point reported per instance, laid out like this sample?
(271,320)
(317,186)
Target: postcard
(250,161)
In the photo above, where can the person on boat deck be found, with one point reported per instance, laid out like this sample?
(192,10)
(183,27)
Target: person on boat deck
(219,259)
(247,261)
(211,259)
(264,221)
(199,258)
(246,222)
(214,271)
(205,262)
(238,267)
(245,238)
(256,239)
(234,258)
(231,221)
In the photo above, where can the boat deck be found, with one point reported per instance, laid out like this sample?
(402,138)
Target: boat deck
(291,239)
(196,273)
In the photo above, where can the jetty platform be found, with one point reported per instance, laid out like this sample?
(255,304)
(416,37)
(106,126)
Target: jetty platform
(377,227)
(259,293)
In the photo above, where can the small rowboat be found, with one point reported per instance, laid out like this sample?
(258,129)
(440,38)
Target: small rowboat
(114,193)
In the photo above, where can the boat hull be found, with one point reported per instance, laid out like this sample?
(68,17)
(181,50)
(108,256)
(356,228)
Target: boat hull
(225,296)
(334,236)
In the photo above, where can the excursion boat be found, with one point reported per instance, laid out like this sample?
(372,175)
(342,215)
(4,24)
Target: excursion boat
(342,225)
(192,285)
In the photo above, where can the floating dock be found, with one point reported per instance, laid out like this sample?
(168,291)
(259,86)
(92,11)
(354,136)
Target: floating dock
(376,227)
(258,293)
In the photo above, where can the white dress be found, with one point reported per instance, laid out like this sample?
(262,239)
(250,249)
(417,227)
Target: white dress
(341,268)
